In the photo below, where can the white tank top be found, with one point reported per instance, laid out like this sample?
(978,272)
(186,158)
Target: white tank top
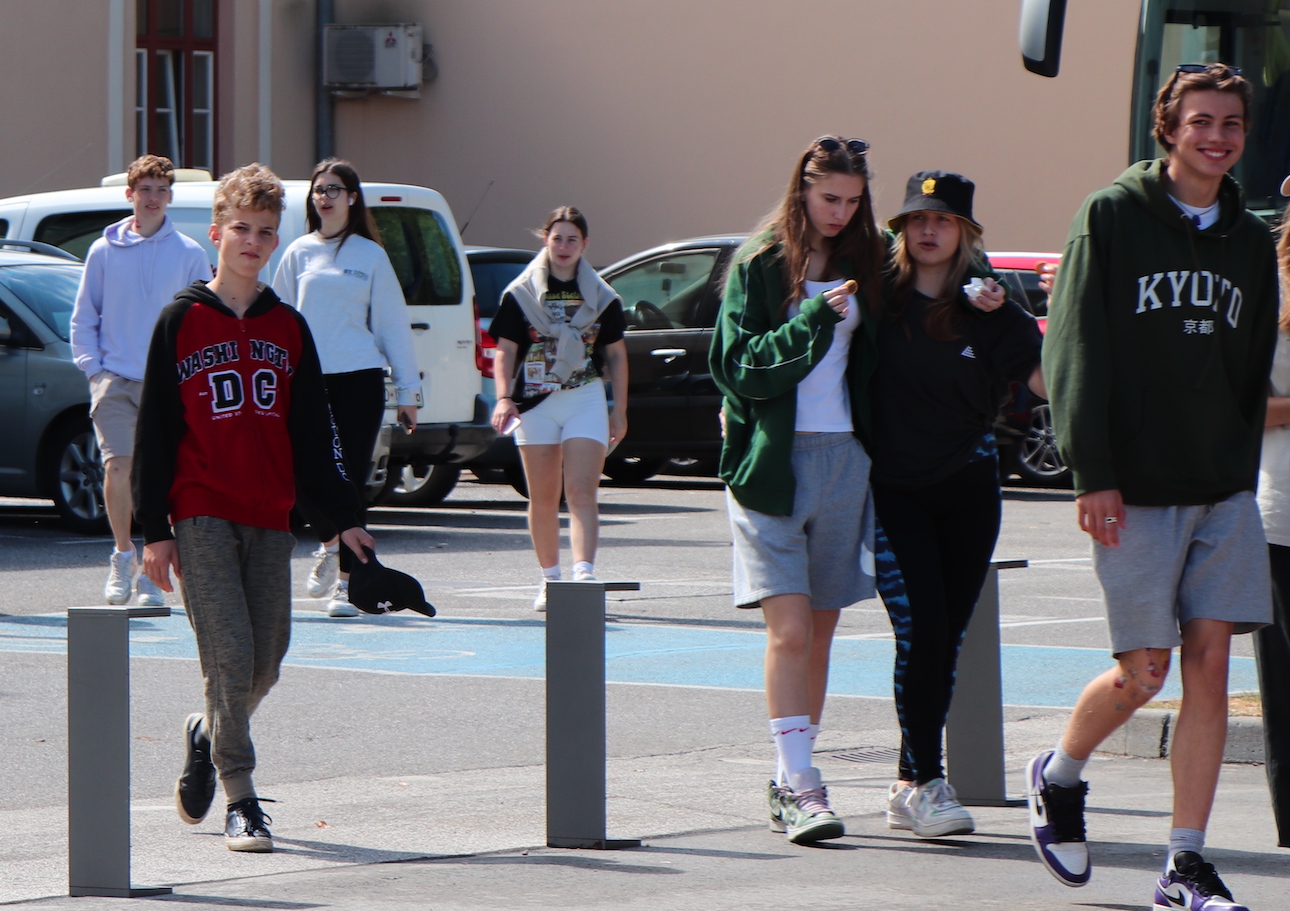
(823,399)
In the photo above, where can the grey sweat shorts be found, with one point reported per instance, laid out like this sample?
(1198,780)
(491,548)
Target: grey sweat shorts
(1180,563)
(825,548)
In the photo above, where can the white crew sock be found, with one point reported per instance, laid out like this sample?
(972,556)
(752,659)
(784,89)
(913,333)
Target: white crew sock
(333,547)
(1063,769)
(792,744)
(551,572)
(1184,840)
(582,566)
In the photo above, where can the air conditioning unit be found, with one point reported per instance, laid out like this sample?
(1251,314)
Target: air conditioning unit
(378,57)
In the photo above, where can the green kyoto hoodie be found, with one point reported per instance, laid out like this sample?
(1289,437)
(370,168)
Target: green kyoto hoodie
(1159,344)
(757,360)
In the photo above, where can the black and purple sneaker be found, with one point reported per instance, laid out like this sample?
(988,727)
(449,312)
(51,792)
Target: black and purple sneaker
(1190,884)
(1057,824)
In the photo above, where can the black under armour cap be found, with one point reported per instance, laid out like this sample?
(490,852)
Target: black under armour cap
(377,589)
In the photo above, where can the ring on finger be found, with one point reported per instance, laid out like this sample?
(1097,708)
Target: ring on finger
(1112,520)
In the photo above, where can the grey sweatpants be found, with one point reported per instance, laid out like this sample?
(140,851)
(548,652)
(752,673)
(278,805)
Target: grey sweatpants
(237,592)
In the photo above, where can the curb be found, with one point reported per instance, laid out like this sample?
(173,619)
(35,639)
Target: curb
(1148,733)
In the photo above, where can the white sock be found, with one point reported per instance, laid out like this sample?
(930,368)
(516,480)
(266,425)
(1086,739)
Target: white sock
(551,572)
(792,744)
(130,551)
(1063,769)
(584,567)
(333,547)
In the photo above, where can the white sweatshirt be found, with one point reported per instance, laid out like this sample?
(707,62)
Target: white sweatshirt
(128,278)
(354,305)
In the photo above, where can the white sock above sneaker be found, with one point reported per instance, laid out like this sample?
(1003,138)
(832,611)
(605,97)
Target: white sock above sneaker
(551,572)
(792,744)
(583,568)
(1063,769)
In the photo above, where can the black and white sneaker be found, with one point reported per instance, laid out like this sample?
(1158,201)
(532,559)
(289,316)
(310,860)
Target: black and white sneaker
(247,827)
(1191,884)
(1057,824)
(195,788)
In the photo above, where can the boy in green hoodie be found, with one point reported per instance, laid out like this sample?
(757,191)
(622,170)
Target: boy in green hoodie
(1157,357)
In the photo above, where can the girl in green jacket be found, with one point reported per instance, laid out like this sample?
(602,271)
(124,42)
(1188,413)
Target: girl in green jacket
(792,353)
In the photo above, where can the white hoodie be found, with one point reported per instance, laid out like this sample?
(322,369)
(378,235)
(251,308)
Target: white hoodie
(128,278)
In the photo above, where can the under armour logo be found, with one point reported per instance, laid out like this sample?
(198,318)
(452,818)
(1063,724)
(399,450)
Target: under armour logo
(968,352)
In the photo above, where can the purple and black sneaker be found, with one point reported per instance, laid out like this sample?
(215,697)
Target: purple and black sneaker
(1190,884)
(1057,824)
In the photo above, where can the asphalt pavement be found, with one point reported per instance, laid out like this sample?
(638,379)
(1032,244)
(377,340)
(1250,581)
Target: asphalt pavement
(406,755)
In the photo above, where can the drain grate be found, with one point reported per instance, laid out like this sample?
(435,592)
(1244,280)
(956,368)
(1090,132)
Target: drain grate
(867,754)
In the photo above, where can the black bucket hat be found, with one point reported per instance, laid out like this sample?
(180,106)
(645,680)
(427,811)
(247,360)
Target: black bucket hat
(377,589)
(936,191)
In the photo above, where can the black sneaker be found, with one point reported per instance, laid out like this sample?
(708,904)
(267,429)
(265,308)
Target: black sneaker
(1191,884)
(195,788)
(1057,824)
(247,827)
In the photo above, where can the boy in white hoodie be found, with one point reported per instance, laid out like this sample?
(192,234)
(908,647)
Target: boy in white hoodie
(131,272)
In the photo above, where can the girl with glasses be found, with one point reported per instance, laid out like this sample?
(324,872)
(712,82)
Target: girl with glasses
(793,352)
(946,358)
(340,278)
(558,329)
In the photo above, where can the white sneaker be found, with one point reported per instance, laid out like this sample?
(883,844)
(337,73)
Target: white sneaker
(581,575)
(120,581)
(325,573)
(897,807)
(339,605)
(539,603)
(934,811)
(149,594)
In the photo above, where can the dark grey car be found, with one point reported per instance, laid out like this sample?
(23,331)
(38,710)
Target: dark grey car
(47,445)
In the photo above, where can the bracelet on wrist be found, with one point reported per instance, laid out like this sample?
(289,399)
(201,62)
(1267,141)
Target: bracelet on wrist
(505,398)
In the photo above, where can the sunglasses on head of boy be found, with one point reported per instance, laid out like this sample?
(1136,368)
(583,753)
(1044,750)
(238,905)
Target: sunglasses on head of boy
(331,191)
(1219,69)
(856,148)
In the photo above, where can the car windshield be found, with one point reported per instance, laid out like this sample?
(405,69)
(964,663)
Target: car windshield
(49,291)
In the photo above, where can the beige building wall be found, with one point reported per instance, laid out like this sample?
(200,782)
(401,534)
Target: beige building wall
(671,118)
(661,119)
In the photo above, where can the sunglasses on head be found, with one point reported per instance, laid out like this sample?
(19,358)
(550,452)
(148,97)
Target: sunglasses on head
(855,147)
(331,191)
(1206,67)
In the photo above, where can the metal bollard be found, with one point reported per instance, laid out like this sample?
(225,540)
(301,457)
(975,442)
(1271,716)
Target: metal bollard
(575,715)
(98,750)
(974,729)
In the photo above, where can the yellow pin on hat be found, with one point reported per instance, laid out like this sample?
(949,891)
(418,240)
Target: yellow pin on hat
(929,186)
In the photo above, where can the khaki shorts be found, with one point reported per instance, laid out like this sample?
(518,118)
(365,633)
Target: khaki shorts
(114,409)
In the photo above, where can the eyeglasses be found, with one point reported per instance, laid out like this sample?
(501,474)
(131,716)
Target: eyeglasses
(1206,67)
(855,147)
(331,191)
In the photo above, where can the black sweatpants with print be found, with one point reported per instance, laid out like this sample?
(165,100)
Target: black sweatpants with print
(1272,654)
(357,408)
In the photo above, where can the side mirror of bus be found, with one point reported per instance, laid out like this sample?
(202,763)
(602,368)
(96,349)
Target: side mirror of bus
(1041,35)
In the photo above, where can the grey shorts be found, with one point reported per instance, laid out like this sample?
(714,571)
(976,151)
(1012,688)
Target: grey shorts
(825,548)
(114,409)
(1180,563)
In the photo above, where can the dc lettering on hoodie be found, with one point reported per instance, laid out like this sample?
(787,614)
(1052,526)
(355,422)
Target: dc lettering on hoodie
(229,388)
(1191,290)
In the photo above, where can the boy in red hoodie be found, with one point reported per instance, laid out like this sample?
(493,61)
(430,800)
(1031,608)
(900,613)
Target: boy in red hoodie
(233,416)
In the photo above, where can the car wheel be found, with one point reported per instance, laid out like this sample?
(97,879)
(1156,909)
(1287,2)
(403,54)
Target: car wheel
(407,487)
(77,487)
(632,471)
(1038,462)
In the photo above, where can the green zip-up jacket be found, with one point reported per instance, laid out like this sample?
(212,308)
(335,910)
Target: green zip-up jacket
(1159,344)
(757,360)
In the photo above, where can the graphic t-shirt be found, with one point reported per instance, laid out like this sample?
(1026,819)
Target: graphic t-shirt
(536,355)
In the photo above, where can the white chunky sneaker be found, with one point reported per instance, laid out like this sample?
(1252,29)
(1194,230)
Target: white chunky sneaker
(935,811)
(898,807)
(120,581)
(339,605)
(325,573)
(539,603)
(149,594)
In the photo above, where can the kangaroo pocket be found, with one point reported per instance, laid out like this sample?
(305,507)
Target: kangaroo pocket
(1194,442)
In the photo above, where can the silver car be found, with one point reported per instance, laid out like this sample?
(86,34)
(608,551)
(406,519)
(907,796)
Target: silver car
(47,445)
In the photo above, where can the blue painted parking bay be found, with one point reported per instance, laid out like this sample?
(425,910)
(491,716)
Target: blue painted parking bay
(635,653)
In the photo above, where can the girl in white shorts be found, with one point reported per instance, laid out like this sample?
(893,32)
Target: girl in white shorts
(558,327)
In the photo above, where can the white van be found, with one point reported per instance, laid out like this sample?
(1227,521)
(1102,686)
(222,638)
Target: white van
(421,238)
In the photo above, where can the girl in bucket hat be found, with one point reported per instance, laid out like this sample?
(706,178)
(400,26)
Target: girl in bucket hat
(792,353)
(947,353)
